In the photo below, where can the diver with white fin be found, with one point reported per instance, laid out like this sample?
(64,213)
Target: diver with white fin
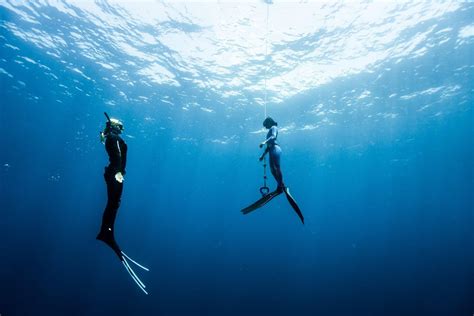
(274,151)
(114,172)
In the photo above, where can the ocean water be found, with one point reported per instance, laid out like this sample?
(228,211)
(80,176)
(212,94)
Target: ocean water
(374,101)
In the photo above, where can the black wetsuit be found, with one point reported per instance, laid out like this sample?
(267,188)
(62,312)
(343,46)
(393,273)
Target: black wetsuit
(274,151)
(117,151)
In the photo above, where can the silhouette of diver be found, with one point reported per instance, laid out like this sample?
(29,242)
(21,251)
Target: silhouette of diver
(114,172)
(274,151)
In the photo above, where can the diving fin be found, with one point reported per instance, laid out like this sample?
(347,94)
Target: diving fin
(132,273)
(108,238)
(262,201)
(293,204)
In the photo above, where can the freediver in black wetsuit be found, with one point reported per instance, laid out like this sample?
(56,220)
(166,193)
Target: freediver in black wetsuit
(113,175)
(114,172)
(274,151)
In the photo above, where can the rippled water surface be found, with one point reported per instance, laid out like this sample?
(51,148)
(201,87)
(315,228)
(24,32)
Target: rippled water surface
(374,101)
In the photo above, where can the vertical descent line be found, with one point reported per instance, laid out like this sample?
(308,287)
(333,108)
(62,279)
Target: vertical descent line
(266,64)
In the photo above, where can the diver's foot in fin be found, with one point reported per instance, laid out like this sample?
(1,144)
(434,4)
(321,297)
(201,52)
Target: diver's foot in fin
(261,202)
(280,189)
(107,236)
(293,204)
(132,273)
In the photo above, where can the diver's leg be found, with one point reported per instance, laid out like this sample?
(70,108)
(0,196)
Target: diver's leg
(275,154)
(114,194)
(113,202)
(106,234)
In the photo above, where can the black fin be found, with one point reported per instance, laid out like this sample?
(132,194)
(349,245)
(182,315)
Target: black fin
(109,239)
(293,204)
(261,202)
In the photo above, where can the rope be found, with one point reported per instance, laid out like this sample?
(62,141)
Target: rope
(264,190)
(266,63)
(264,171)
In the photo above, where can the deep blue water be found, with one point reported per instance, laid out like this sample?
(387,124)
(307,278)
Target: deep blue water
(375,105)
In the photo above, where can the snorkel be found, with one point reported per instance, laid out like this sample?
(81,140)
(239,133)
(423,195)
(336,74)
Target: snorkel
(112,126)
(107,116)
(107,126)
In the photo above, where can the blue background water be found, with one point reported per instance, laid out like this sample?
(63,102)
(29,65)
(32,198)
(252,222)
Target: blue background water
(378,153)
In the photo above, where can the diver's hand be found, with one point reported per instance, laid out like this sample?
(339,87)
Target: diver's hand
(261,144)
(102,137)
(260,159)
(119,177)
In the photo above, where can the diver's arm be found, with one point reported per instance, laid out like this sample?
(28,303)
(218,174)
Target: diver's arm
(273,136)
(124,159)
(115,152)
(119,153)
(263,155)
(119,175)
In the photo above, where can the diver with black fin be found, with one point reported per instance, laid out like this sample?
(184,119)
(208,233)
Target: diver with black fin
(274,151)
(117,151)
